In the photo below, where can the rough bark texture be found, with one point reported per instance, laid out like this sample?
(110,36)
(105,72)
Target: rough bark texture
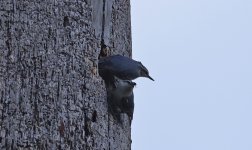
(51,95)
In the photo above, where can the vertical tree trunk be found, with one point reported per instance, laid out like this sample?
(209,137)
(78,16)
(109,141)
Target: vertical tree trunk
(51,95)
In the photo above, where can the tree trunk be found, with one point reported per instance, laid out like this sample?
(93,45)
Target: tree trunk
(51,95)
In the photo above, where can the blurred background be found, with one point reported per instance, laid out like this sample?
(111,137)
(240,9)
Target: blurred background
(200,54)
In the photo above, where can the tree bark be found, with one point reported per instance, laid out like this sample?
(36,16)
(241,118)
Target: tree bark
(51,95)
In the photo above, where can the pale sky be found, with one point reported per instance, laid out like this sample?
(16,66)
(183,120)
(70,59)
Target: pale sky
(200,54)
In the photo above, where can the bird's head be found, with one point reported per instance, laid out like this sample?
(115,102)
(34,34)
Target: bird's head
(144,72)
(125,87)
(132,84)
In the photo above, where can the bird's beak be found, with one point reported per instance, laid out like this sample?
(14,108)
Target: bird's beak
(151,78)
(133,83)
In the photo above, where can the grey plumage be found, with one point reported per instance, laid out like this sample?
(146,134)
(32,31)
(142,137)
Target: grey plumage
(123,88)
(120,98)
(128,106)
(122,67)
(117,72)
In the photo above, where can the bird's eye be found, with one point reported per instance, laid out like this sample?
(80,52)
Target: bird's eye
(144,72)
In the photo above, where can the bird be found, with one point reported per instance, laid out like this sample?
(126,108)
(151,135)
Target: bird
(117,71)
(128,106)
(124,88)
(122,67)
(121,98)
